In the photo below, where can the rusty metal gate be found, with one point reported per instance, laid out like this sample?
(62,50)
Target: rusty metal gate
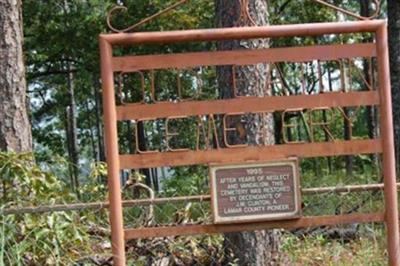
(175,156)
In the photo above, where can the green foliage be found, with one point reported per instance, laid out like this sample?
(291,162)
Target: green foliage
(95,187)
(23,181)
(187,181)
(51,239)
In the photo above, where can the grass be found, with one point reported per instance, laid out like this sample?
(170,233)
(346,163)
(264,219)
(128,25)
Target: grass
(317,250)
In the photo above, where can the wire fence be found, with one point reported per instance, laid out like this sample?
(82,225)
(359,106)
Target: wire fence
(195,210)
(171,200)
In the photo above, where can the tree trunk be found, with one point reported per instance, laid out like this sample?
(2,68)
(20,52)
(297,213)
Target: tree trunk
(347,125)
(15,130)
(327,138)
(99,130)
(348,132)
(394,50)
(143,146)
(91,131)
(371,111)
(260,247)
(73,131)
(70,168)
(325,118)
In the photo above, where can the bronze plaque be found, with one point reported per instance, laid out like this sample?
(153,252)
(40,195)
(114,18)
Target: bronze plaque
(255,192)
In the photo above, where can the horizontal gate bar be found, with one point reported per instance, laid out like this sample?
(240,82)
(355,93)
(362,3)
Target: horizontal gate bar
(310,29)
(243,105)
(243,57)
(304,222)
(250,154)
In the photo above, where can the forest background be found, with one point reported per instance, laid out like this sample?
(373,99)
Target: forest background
(65,162)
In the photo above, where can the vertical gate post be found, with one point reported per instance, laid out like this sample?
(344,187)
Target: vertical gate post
(389,168)
(112,154)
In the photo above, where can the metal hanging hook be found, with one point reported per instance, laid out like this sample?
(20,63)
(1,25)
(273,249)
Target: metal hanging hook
(377,4)
(245,15)
(142,22)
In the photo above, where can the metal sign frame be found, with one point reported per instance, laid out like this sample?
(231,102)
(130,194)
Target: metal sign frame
(112,113)
(294,214)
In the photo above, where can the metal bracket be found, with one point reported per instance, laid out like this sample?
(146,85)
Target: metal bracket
(142,22)
(349,13)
